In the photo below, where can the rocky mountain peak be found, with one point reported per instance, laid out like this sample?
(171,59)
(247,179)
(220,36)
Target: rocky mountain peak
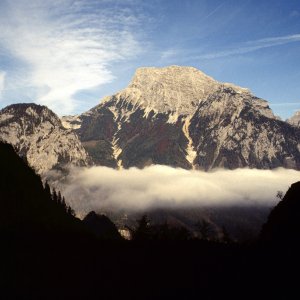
(170,76)
(295,119)
(32,111)
(37,133)
(175,89)
(181,117)
(169,89)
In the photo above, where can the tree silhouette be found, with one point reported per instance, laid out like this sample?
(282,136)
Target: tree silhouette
(225,236)
(54,196)
(170,233)
(143,229)
(59,198)
(47,188)
(204,229)
(63,203)
(70,211)
(146,231)
(279,195)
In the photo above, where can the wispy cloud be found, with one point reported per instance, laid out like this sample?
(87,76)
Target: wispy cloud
(213,11)
(169,54)
(67,45)
(100,188)
(181,54)
(251,46)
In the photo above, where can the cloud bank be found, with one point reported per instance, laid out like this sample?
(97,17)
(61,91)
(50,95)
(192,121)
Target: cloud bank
(65,46)
(101,188)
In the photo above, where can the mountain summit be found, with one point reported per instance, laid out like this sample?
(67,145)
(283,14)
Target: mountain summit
(38,135)
(181,117)
(295,119)
(171,89)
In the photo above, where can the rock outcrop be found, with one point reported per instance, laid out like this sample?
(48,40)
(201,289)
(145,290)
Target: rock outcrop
(37,134)
(295,119)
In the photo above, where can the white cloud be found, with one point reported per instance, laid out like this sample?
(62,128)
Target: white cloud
(67,45)
(161,186)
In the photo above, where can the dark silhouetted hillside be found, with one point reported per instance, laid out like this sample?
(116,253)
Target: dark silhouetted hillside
(26,206)
(101,226)
(170,265)
(283,225)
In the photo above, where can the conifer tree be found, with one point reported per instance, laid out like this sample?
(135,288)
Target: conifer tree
(64,205)
(59,198)
(54,196)
(47,188)
(204,229)
(70,211)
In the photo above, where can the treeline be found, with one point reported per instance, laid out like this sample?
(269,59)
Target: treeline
(203,230)
(27,207)
(60,200)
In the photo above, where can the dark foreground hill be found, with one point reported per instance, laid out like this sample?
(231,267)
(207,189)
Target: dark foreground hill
(47,254)
(27,207)
(283,223)
(101,226)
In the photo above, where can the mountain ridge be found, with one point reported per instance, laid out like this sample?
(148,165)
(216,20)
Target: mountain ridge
(158,119)
(38,135)
(176,116)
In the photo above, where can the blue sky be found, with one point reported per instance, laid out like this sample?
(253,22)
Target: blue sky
(68,54)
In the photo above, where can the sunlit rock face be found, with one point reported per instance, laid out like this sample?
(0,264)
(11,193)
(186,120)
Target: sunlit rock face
(38,135)
(175,116)
(179,116)
(295,119)
(234,130)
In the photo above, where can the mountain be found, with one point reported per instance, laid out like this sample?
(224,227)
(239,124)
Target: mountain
(295,119)
(27,207)
(283,225)
(101,226)
(176,116)
(38,135)
(179,116)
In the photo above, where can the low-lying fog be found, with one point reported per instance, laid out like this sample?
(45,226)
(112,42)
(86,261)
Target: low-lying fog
(102,188)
